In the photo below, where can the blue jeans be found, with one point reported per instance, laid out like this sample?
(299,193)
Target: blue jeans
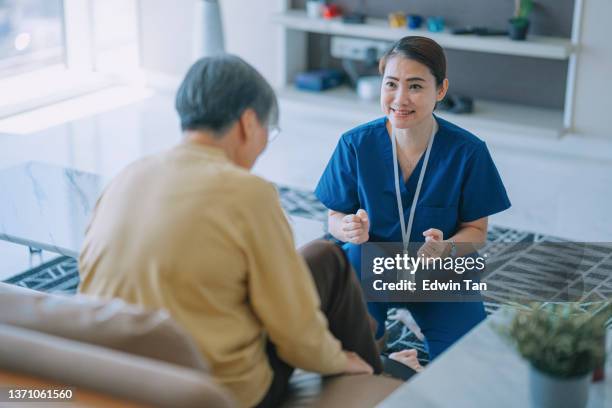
(442,323)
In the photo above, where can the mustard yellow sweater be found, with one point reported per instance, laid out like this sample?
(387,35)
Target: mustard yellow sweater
(189,231)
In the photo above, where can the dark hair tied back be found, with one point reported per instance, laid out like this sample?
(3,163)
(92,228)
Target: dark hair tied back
(421,49)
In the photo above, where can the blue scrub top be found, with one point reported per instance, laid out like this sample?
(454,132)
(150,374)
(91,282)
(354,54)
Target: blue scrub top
(461,182)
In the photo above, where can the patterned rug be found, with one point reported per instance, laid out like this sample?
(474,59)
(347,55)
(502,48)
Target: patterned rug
(58,275)
(61,274)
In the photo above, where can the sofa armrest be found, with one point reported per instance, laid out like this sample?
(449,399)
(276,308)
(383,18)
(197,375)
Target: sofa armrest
(107,371)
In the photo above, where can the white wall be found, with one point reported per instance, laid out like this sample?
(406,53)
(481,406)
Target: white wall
(250,34)
(593,103)
(594,69)
(167,34)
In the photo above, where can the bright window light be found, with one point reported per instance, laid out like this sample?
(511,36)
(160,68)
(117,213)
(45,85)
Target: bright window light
(73,109)
(31,35)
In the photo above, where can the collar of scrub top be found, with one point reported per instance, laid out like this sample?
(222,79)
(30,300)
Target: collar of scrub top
(407,230)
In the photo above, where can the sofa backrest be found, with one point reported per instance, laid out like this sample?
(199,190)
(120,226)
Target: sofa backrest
(112,324)
(110,372)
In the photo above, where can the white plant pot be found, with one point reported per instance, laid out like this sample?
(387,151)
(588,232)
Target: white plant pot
(552,392)
(314,8)
(368,87)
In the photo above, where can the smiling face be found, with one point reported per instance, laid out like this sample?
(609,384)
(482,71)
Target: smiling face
(409,92)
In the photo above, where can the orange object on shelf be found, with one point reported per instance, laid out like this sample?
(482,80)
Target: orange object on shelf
(331,10)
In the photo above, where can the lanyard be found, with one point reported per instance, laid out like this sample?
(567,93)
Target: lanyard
(406,231)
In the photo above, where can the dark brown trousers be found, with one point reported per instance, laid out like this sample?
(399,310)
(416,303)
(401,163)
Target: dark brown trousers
(343,305)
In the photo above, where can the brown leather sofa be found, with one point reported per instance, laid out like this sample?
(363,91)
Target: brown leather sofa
(113,351)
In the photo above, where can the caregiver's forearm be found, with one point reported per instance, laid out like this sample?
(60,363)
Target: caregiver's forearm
(469,239)
(334,225)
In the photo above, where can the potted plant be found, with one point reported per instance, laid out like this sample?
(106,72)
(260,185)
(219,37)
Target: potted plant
(563,343)
(519,24)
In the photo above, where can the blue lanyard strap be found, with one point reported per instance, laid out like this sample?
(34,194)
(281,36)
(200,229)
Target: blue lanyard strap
(407,231)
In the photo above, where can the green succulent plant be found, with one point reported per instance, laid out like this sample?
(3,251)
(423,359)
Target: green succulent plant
(563,340)
(522,8)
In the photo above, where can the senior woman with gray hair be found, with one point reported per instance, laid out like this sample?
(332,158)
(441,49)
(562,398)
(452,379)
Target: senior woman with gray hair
(191,230)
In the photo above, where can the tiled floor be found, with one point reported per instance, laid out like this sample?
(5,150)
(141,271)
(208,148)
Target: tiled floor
(553,194)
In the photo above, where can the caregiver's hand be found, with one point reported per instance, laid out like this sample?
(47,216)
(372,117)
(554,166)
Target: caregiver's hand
(408,357)
(435,246)
(356,227)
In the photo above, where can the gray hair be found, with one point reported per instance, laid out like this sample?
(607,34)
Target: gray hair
(217,90)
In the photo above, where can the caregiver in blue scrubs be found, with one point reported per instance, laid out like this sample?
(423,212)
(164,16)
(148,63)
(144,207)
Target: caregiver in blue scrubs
(414,169)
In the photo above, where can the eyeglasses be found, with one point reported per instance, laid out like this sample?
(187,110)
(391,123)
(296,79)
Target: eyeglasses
(273,132)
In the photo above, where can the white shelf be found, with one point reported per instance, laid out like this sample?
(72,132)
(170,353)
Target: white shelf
(495,117)
(534,46)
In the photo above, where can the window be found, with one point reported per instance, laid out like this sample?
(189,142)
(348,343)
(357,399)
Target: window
(31,35)
(54,50)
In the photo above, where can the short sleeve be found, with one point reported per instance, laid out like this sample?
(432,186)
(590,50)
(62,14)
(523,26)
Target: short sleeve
(337,188)
(483,192)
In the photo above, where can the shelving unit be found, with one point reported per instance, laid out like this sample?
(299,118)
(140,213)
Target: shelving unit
(378,29)
(488,115)
(492,116)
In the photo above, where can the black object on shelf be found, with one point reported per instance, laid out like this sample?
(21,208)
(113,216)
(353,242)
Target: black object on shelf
(480,31)
(458,104)
(354,18)
(518,28)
